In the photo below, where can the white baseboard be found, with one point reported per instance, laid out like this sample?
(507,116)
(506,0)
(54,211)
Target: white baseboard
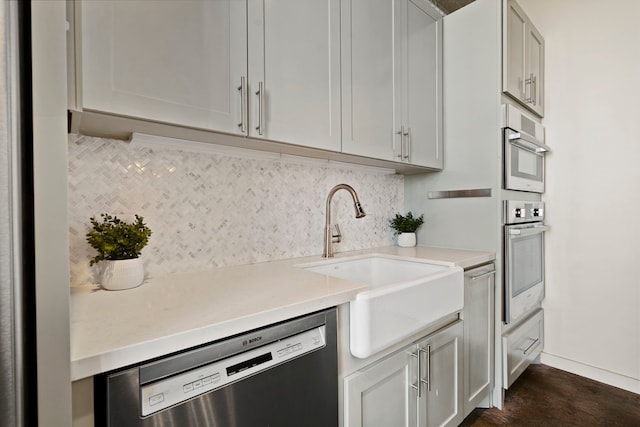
(621,381)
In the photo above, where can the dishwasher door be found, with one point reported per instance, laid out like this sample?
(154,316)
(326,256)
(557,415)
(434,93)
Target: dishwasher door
(282,375)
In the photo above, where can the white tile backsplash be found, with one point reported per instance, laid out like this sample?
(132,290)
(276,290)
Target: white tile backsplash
(208,209)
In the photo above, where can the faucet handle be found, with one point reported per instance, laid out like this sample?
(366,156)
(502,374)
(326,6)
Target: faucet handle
(336,238)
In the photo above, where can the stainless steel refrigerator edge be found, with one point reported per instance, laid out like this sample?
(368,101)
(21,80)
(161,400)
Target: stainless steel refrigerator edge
(12,310)
(34,281)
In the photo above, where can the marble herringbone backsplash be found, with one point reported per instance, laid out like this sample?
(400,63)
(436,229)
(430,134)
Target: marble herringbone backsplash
(208,208)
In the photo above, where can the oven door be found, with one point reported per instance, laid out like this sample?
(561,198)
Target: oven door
(524,269)
(523,162)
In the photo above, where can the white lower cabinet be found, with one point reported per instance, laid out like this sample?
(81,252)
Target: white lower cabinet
(478,336)
(382,394)
(441,378)
(420,385)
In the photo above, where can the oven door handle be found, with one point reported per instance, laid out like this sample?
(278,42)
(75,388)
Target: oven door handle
(527,142)
(528,231)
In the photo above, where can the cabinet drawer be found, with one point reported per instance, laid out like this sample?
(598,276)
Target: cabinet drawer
(521,346)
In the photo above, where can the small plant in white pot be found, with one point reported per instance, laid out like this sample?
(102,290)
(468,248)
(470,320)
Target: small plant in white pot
(405,228)
(119,245)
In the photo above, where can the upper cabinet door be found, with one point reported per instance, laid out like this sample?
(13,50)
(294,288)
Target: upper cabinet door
(392,80)
(294,71)
(523,59)
(514,51)
(371,78)
(535,61)
(423,89)
(175,62)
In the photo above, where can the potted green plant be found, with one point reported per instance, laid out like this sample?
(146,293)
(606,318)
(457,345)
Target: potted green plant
(119,245)
(405,228)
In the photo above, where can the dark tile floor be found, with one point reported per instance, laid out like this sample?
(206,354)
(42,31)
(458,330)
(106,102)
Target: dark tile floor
(545,396)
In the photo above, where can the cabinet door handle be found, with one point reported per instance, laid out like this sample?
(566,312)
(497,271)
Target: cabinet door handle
(422,378)
(534,89)
(483,275)
(401,133)
(429,367)
(417,386)
(407,156)
(260,94)
(529,82)
(243,104)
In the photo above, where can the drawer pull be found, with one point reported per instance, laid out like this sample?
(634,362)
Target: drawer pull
(536,341)
(481,276)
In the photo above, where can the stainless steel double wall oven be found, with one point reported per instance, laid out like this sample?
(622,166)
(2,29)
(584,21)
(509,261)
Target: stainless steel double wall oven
(524,228)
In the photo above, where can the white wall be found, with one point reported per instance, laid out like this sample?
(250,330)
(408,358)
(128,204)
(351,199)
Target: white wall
(592,117)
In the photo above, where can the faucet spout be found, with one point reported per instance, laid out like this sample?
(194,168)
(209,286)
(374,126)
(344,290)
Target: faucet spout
(328,235)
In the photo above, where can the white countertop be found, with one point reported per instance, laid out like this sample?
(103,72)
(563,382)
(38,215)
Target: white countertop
(113,329)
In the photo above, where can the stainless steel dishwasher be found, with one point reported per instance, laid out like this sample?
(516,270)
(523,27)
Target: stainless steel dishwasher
(281,375)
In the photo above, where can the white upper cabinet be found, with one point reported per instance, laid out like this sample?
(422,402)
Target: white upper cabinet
(266,69)
(294,71)
(535,58)
(391,80)
(371,92)
(176,62)
(423,99)
(355,77)
(523,62)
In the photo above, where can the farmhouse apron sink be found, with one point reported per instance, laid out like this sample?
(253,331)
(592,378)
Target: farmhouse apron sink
(404,296)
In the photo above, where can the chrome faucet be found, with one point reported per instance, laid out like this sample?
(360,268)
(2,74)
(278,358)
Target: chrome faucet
(329,237)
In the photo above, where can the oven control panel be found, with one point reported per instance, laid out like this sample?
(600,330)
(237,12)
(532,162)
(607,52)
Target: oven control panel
(516,212)
(170,391)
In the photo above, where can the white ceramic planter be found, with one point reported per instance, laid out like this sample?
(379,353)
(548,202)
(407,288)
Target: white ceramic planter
(407,240)
(122,274)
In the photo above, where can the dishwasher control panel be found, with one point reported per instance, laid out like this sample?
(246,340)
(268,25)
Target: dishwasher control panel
(162,394)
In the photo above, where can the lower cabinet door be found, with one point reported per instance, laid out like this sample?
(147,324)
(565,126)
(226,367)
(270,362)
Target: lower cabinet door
(382,395)
(441,378)
(478,337)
